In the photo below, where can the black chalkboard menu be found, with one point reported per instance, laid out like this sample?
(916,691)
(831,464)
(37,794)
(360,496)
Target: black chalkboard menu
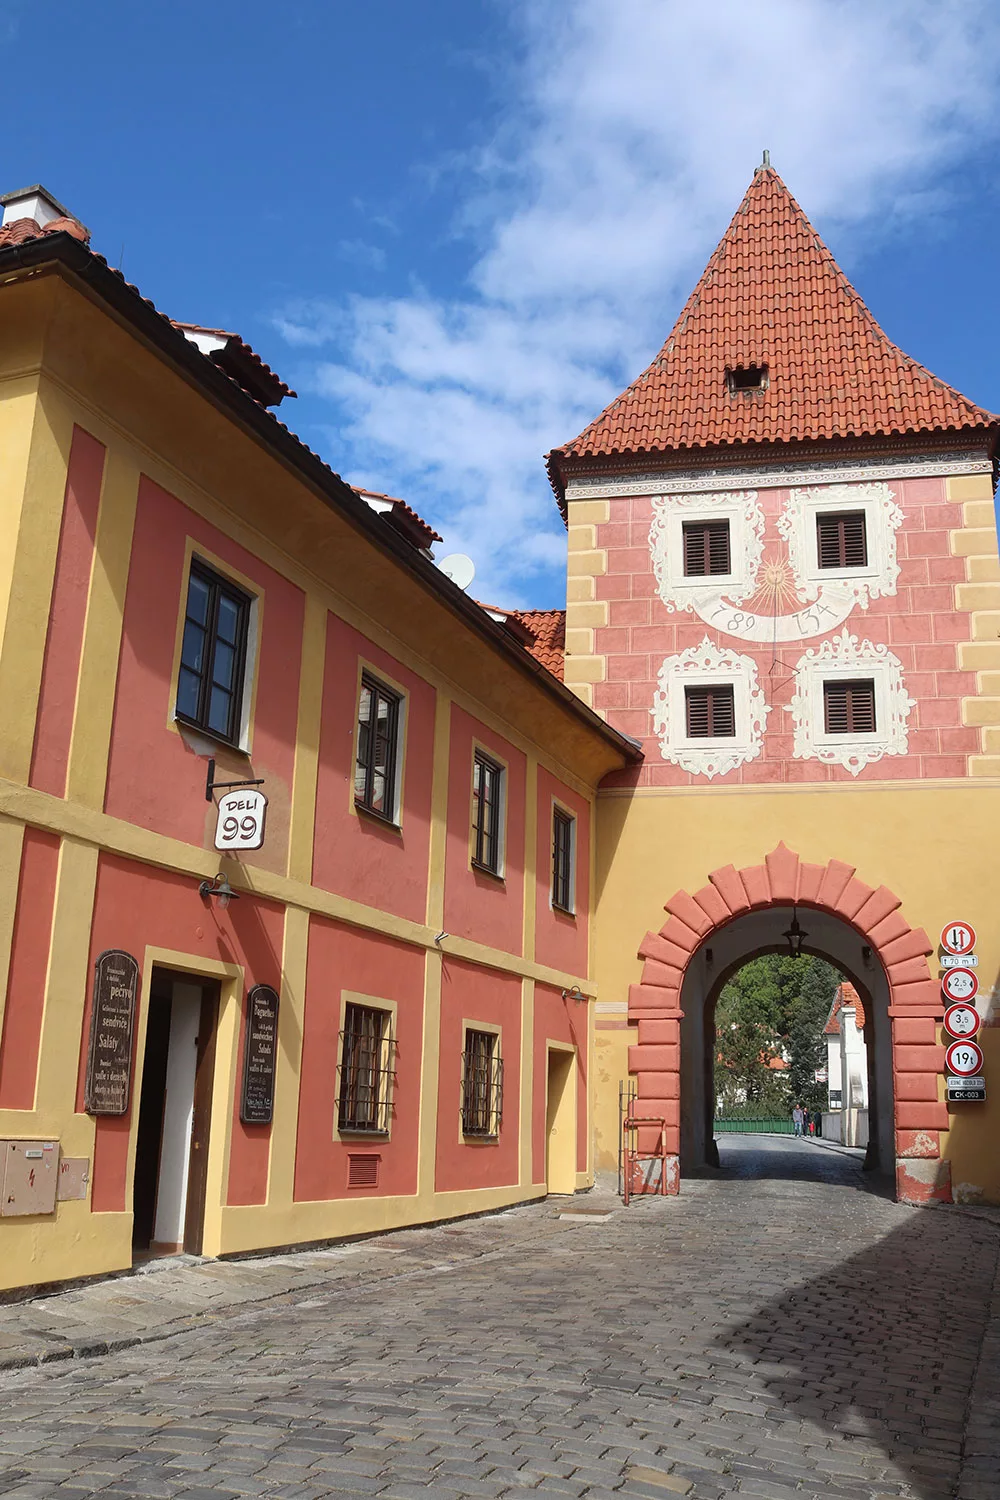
(260,1046)
(109,1057)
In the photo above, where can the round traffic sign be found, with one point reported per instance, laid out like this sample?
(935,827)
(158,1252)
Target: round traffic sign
(962,1022)
(958,937)
(960,984)
(964,1059)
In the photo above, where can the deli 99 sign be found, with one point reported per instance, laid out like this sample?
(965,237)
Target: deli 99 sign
(241,820)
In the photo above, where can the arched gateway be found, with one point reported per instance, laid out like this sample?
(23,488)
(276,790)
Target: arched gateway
(862,930)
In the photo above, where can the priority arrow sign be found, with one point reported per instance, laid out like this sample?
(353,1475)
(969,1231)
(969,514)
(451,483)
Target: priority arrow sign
(958,937)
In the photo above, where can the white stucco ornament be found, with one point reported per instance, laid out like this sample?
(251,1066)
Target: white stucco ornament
(705,664)
(666,546)
(845,658)
(797,525)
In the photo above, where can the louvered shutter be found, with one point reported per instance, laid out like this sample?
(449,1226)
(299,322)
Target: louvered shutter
(710,712)
(842,540)
(706,548)
(849,707)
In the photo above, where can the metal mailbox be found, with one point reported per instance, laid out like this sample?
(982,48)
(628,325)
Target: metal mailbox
(30,1173)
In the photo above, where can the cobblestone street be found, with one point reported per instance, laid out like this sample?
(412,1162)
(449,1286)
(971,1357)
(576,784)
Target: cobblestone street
(777,1330)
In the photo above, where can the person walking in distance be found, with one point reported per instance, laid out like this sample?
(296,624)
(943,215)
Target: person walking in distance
(798,1114)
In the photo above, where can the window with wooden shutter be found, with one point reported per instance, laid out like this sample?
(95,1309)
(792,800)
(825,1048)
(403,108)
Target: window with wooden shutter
(710,712)
(706,548)
(842,540)
(849,707)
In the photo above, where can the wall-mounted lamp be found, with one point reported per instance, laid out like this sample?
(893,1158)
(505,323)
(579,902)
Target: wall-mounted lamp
(220,889)
(794,936)
(709,957)
(574,994)
(866,956)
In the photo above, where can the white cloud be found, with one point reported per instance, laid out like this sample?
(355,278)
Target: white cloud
(632,130)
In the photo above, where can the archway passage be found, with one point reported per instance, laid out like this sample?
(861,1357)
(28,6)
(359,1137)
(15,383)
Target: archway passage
(862,931)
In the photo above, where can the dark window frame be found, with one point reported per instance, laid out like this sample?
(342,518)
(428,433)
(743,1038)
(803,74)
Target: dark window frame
(366,763)
(833,533)
(706,544)
(720,704)
(563,859)
(859,704)
(219,588)
(367,1055)
(487,813)
(482,1085)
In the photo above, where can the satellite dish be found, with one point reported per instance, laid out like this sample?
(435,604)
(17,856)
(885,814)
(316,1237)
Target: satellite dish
(459,568)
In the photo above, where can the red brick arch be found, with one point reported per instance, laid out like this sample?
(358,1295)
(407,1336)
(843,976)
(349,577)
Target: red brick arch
(915,997)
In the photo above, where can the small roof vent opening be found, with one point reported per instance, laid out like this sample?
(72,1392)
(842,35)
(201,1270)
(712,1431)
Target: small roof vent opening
(746,378)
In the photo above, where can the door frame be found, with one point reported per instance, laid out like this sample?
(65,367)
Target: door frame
(561,1176)
(223,1074)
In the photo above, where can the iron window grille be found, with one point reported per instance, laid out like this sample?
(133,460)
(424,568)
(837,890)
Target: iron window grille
(487,791)
(482,1085)
(849,707)
(213,654)
(842,540)
(378,734)
(366,1070)
(710,712)
(706,548)
(562,859)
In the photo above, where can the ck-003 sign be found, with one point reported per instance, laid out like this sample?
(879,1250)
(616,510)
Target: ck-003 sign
(241,820)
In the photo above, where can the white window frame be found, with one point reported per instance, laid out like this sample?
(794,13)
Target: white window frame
(666,544)
(846,659)
(797,524)
(706,666)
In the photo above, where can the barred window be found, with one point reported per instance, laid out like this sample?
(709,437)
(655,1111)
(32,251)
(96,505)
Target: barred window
(842,540)
(482,1084)
(213,654)
(563,830)
(706,548)
(710,712)
(487,788)
(849,707)
(378,731)
(366,1069)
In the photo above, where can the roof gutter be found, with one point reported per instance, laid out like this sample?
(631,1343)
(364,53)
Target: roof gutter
(111,288)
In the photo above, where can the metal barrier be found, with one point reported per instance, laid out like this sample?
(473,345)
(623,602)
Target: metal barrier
(770,1125)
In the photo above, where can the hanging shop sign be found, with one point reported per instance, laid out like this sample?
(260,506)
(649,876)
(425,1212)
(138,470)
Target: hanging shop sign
(959,984)
(962,1022)
(112,1019)
(958,938)
(240,823)
(260,1050)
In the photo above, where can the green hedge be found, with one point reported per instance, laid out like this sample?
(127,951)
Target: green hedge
(748,1125)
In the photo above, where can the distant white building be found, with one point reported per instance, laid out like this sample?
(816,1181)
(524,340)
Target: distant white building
(847,1066)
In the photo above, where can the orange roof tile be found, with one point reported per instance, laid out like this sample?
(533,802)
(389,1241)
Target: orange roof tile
(773,295)
(846,995)
(548,626)
(406,518)
(19,231)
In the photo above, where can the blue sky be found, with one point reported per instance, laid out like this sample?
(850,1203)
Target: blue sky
(458,229)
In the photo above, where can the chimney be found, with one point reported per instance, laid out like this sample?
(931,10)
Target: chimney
(33,203)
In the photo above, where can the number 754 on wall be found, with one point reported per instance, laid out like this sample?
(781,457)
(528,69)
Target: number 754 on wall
(241,820)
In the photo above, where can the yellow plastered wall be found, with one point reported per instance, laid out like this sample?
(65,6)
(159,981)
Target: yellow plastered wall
(584,611)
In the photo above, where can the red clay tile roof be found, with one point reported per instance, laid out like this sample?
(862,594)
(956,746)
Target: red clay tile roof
(406,518)
(242,364)
(846,995)
(19,231)
(542,632)
(773,295)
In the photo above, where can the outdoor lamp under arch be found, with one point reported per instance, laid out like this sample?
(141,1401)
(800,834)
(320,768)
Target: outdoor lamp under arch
(795,936)
(220,889)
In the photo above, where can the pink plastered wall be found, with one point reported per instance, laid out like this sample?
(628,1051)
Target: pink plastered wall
(344,958)
(155,778)
(478,905)
(919,625)
(355,854)
(470,993)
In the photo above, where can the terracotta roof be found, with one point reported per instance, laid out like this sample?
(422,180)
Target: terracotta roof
(19,231)
(772,295)
(846,995)
(403,517)
(241,363)
(548,626)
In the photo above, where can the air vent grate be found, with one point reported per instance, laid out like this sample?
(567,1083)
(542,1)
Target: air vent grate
(362,1171)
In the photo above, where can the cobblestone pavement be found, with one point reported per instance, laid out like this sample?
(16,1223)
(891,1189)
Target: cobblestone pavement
(778,1330)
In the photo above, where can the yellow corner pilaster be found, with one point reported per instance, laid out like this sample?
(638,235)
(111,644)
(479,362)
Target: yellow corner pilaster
(11,841)
(588,563)
(67,982)
(974,542)
(585,669)
(90,745)
(970,487)
(527,1080)
(35,439)
(580,587)
(582,538)
(429,1078)
(976,596)
(303,820)
(531,872)
(439,812)
(291,1028)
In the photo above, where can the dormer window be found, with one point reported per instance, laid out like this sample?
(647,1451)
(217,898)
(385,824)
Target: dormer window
(746,378)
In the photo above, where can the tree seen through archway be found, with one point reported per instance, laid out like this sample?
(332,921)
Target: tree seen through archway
(769,1042)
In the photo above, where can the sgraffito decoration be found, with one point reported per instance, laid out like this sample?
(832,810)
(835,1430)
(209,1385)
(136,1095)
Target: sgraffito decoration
(847,658)
(707,664)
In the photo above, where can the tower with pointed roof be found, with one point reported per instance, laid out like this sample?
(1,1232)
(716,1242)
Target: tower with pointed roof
(783,581)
